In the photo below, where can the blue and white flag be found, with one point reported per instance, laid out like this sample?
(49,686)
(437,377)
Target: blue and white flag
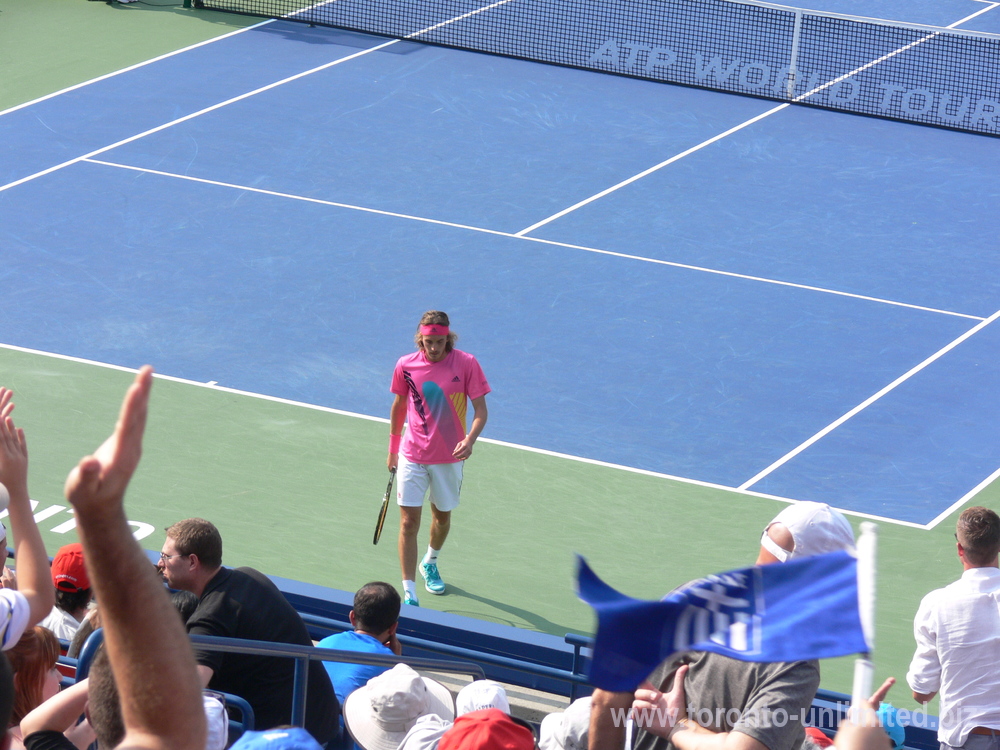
(793,611)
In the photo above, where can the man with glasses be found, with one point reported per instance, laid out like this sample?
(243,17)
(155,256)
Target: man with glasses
(244,603)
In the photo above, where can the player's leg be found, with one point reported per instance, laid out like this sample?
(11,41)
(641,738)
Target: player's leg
(445,489)
(412,480)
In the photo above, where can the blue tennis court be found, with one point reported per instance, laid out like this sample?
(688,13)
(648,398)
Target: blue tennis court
(780,300)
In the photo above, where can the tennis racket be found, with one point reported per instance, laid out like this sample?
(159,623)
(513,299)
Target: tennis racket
(385,507)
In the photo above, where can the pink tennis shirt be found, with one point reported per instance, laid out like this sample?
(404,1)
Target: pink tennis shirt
(437,401)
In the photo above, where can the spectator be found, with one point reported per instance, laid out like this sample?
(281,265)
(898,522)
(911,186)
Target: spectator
(480,695)
(8,579)
(62,711)
(765,699)
(185,602)
(374,618)
(380,713)
(489,729)
(476,696)
(957,629)
(165,712)
(22,608)
(36,678)
(73,592)
(53,725)
(566,730)
(244,603)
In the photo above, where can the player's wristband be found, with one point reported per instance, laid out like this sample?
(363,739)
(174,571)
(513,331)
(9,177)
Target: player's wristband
(394,441)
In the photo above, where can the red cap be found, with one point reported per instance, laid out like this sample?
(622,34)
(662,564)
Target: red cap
(68,571)
(488,729)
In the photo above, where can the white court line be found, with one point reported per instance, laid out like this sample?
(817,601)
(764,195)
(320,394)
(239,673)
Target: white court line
(248,94)
(134,67)
(736,129)
(528,449)
(192,115)
(869,401)
(650,171)
(977,13)
(555,243)
(965,498)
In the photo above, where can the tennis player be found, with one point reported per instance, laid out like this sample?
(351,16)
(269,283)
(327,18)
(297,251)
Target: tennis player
(433,387)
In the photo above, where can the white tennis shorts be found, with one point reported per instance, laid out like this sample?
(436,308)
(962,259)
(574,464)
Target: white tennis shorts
(442,483)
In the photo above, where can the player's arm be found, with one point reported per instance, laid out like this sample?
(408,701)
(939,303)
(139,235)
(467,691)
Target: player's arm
(34,577)
(397,416)
(479,416)
(162,712)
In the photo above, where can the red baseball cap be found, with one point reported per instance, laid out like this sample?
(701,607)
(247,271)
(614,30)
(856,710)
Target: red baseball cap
(68,571)
(487,729)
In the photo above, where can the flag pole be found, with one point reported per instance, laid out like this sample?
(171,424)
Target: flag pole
(864,668)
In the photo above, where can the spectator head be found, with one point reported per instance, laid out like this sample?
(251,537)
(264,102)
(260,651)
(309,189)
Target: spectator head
(69,576)
(376,608)
(566,730)
(978,535)
(279,738)
(191,554)
(185,602)
(3,545)
(103,709)
(804,529)
(36,678)
(479,695)
(489,729)
(90,623)
(378,715)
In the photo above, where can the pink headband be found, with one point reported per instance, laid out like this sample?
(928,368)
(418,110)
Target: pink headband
(434,330)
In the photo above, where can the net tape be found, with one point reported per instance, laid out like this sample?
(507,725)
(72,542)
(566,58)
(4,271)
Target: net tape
(921,74)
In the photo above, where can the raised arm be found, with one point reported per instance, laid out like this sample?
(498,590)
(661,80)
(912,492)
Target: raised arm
(59,713)
(34,579)
(159,687)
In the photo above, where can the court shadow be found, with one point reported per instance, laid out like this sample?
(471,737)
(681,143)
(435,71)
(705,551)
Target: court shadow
(536,621)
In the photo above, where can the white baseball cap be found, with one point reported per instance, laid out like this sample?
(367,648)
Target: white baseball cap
(481,694)
(816,528)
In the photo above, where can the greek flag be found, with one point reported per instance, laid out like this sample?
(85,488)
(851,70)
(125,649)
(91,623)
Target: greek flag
(793,611)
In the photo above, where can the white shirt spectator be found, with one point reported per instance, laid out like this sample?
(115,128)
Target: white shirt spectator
(957,629)
(62,624)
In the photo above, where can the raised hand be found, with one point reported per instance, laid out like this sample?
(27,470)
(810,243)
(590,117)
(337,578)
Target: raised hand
(13,449)
(100,480)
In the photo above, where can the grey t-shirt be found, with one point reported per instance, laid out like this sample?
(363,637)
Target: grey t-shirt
(764,700)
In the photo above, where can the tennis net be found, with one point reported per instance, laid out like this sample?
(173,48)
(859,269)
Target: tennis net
(922,74)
